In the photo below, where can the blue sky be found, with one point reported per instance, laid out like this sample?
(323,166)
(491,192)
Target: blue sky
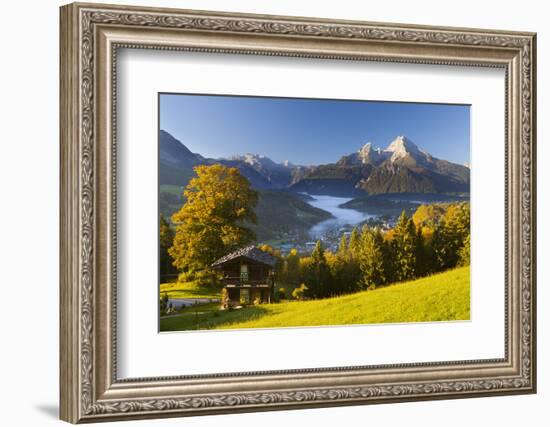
(311,131)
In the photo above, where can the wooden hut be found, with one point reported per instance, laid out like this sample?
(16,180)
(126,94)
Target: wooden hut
(248,276)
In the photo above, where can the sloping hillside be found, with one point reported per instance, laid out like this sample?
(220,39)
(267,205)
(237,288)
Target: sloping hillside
(284,212)
(441,297)
(277,211)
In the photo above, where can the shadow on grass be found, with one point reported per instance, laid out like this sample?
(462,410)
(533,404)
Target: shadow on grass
(197,293)
(182,291)
(209,316)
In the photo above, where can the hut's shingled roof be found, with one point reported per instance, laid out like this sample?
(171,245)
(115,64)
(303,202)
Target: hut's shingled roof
(250,252)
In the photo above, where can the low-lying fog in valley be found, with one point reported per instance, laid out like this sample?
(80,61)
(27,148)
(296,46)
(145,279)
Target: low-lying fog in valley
(342,216)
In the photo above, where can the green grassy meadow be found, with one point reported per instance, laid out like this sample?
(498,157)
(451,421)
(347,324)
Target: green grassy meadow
(188,290)
(440,297)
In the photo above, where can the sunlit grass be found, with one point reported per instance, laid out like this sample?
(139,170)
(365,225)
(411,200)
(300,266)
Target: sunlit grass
(188,290)
(441,297)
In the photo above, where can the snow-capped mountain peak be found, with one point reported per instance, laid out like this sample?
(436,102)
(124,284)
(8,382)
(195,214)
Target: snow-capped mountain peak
(401,167)
(261,161)
(400,150)
(253,159)
(366,147)
(368,153)
(401,147)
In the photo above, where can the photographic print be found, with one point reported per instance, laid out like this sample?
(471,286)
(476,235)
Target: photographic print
(214,193)
(294,212)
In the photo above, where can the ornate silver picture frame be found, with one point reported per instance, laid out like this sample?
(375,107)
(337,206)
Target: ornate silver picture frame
(91,35)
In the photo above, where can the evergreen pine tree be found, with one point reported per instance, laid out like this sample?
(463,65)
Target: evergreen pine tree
(345,272)
(464,252)
(321,274)
(371,259)
(440,247)
(450,236)
(343,246)
(166,238)
(354,241)
(292,264)
(405,248)
(457,230)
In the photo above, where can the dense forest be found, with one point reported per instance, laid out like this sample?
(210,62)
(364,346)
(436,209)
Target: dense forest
(434,239)
(220,204)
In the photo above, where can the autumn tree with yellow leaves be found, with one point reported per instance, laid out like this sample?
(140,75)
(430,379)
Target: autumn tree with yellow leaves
(212,221)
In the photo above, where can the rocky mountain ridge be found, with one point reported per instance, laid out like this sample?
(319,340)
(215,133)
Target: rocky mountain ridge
(401,167)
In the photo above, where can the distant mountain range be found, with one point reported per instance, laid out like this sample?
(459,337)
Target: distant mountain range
(402,167)
(177,161)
